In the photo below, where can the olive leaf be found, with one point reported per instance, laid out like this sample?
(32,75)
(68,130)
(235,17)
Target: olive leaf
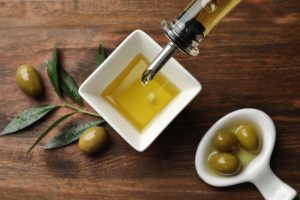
(61,80)
(27,118)
(70,135)
(100,55)
(52,71)
(46,131)
(69,86)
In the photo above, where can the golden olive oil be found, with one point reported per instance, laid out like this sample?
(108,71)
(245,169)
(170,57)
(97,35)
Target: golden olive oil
(214,11)
(139,103)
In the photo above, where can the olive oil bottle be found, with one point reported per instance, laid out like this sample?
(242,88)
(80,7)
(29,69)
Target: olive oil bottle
(137,102)
(188,29)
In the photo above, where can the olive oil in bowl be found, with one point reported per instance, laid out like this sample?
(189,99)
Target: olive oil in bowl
(136,112)
(137,102)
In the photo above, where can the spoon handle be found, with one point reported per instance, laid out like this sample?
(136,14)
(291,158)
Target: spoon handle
(271,187)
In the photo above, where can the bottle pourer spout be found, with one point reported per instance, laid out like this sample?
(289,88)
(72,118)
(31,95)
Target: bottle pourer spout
(158,62)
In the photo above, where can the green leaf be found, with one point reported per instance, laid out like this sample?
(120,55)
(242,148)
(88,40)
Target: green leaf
(70,135)
(69,86)
(45,132)
(53,72)
(27,118)
(100,55)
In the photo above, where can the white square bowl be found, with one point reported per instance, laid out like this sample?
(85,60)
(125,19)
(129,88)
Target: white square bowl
(138,42)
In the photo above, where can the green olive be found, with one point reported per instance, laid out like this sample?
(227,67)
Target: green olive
(248,138)
(225,141)
(29,80)
(92,140)
(225,163)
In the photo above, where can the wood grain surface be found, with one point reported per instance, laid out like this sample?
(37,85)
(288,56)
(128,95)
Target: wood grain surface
(250,60)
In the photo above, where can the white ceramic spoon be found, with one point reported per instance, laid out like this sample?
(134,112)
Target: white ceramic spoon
(258,171)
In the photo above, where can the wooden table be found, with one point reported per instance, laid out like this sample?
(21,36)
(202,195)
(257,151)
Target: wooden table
(250,60)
